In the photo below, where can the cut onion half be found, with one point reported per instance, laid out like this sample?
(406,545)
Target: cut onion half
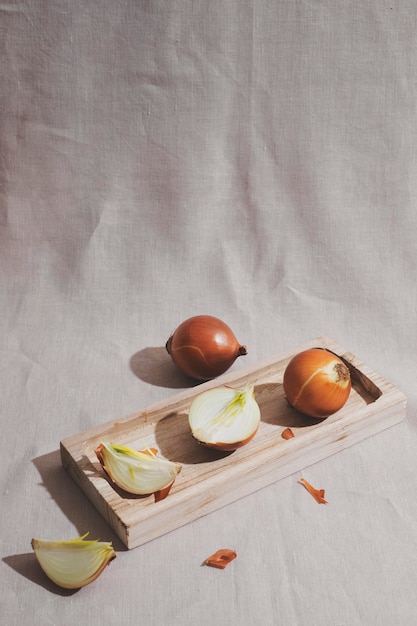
(225,418)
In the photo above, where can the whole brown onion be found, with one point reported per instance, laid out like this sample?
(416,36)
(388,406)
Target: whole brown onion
(317,383)
(203,347)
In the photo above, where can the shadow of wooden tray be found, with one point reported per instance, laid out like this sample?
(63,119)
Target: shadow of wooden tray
(210,479)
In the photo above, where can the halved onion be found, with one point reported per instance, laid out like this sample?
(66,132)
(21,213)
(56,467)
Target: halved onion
(74,563)
(224,418)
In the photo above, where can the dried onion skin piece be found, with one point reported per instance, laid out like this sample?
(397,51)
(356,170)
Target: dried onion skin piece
(318,494)
(221,558)
(287,433)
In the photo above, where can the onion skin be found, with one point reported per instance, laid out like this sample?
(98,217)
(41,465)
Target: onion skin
(317,383)
(221,558)
(203,347)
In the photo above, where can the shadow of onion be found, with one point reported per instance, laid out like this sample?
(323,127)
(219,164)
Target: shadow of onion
(275,408)
(153,365)
(27,565)
(72,501)
(176,443)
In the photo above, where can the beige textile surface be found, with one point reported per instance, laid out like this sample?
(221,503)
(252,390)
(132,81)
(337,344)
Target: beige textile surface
(256,161)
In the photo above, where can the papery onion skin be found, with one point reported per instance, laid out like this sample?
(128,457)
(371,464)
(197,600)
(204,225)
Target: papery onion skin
(317,383)
(287,433)
(221,558)
(204,347)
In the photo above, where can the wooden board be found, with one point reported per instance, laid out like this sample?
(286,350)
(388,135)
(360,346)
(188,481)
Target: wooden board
(209,479)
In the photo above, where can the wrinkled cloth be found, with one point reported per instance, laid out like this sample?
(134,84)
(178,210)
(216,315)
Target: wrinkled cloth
(252,161)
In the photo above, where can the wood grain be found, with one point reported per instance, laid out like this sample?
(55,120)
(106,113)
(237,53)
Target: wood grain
(210,479)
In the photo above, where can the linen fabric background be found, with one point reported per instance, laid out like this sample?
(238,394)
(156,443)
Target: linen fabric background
(256,161)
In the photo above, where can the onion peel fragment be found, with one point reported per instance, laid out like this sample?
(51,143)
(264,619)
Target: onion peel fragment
(287,433)
(318,494)
(221,558)
(162,493)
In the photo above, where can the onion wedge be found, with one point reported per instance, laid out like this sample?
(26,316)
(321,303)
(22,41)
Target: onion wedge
(74,563)
(138,472)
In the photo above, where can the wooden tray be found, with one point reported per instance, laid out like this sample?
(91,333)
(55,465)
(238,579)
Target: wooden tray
(209,479)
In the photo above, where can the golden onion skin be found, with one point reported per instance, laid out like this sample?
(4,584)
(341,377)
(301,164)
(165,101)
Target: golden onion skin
(317,383)
(204,347)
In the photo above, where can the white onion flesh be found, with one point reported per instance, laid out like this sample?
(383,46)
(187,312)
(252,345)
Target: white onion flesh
(139,473)
(75,563)
(224,417)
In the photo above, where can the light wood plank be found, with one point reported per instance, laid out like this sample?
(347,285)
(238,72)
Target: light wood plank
(210,480)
